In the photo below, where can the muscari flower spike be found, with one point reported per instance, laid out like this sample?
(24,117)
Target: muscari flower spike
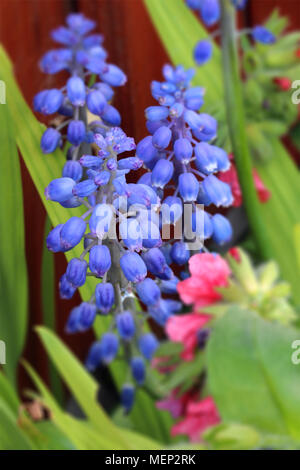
(135,263)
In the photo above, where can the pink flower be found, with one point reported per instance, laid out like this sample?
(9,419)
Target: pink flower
(231,177)
(199,416)
(208,271)
(283,83)
(234,252)
(184,329)
(175,404)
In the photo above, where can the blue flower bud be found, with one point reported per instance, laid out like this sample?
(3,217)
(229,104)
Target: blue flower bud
(96,102)
(150,233)
(169,287)
(76,132)
(52,101)
(66,290)
(84,188)
(71,203)
(130,232)
(203,52)
(105,89)
(90,161)
(72,232)
(53,239)
(203,197)
(138,370)
(201,224)
(100,260)
(176,110)
(180,253)
(162,137)
(206,160)
(87,315)
(152,126)
(76,91)
(60,189)
(193,119)
(76,272)
(64,36)
(80,24)
(161,312)
(156,113)
(162,173)
(102,178)
(109,347)
(125,325)
(221,157)
(171,210)
(166,100)
(155,261)
(146,151)
(207,129)
(218,192)
(183,150)
(145,179)
(133,267)
(111,164)
(94,357)
(113,76)
(239,4)
(210,11)
(188,187)
(141,194)
(105,297)
(148,344)
(72,169)
(263,35)
(127,397)
(130,163)
(193,4)
(56,60)
(111,116)
(50,140)
(148,291)
(38,100)
(73,321)
(222,229)
(100,219)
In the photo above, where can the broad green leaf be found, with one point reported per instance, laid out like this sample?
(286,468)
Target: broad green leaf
(13,272)
(48,299)
(81,383)
(11,436)
(179,31)
(82,433)
(8,394)
(251,374)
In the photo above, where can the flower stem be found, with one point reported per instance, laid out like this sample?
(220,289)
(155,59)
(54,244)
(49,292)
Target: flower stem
(237,128)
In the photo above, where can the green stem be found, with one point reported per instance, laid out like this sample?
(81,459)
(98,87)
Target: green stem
(237,128)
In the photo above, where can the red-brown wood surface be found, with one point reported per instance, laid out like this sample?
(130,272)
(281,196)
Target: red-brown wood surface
(133,44)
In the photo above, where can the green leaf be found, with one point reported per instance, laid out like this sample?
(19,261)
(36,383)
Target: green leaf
(13,274)
(8,394)
(48,299)
(81,383)
(251,374)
